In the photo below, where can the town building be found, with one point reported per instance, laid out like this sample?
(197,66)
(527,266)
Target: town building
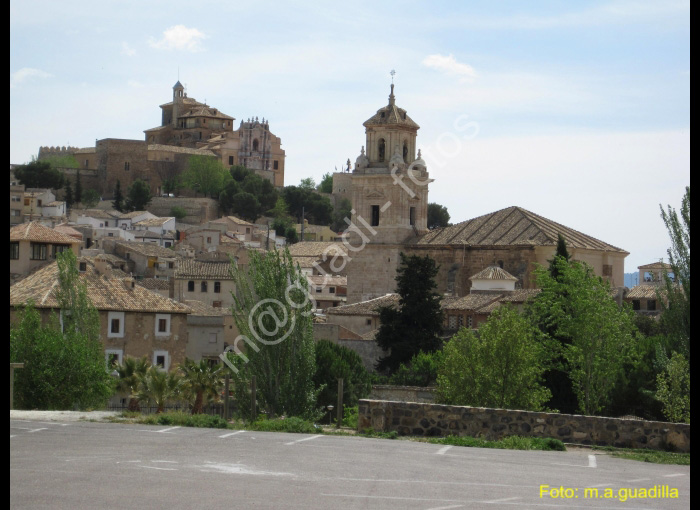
(33,245)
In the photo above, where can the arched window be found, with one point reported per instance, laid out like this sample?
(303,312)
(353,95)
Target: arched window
(255,145)
(405,151)
(382,149)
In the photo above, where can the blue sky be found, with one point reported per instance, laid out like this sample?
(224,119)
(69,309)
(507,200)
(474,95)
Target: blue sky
(577,111)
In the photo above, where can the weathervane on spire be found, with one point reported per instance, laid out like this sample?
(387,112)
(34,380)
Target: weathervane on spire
(392,73)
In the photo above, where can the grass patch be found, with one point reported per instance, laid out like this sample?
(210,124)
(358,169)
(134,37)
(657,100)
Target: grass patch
(293,425)
(507,443)
(651,456)
(175,418)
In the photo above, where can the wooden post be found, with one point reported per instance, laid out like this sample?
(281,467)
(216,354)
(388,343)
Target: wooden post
(227,401)
(12,382)
(339,419)
(253,410)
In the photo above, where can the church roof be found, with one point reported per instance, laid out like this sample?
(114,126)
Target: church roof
(493,273)
(513,226)
(391,114)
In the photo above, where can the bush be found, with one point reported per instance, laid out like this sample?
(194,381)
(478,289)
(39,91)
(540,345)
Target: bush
(293,425)
(422,370)
(334,362)
(178,212)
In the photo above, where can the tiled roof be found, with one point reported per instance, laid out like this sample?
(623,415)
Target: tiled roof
(154,283)
(235,220)
(131,215)
(305,262)
(493,273)
(656,265)
(35,231)
(113,294)
(644,291)
(204,310)
(147,234)
(68,230)
(366,307)
(100,214)
(328,280)
(148,249)
(317,249)
(471,302)
(196,269)
(391,114)
(519,295)
(513,226)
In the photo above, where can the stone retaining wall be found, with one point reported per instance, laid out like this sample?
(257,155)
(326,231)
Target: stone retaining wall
(408,418)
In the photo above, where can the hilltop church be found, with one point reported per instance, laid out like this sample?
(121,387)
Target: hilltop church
(388,189)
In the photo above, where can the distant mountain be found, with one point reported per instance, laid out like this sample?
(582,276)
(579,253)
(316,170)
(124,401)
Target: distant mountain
(631,279)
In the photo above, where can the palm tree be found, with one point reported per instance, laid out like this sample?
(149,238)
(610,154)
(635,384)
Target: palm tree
(159,387)
(200,381)
(130,372)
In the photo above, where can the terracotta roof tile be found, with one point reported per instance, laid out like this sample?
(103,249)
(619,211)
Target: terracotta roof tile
(366,307)
(196,269)
(37,232)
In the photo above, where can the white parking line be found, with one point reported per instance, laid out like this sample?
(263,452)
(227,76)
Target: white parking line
(302,440)
(167,430)
(442,451)
(674,474)
(592,463)
(231,434)
(504,500)
(159,469)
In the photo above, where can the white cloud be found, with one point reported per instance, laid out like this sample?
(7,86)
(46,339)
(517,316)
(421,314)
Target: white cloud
(27,73)
(179,37)
(449,65)
(128,50)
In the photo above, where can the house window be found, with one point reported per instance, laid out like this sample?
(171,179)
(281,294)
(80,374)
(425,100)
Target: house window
(230,160)
(331,290)
(161,359)
(203,287)
(452,322)
(651,305)
(38,251)
(115,325)
(171,265)
(607,270)
(460,320)
(208,240)
(216,304)
(59,248)
(127,166)
(368,322)
(381,149)
(86,163)
(113,357)
(470,322)
(276,165)
(217,287)
(14,251)
(319,290)
(375,215)
(27,201)
(190,286)
(636,304)
(412,216)
(82,267)
(162,324)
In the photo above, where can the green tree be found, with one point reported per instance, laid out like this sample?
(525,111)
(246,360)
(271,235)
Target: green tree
(64,360)
(78,188)
(201,382)
(69,195)
(578,305)
(334,362)
(291,235)
(129,373)
(561,251)
(273,313)
(315,208)
(64,161)
(676,302)
(159,387)
(674,389)
(422,370)
(501,366)
(326,185)
(343,210)
(138,196)
(206,175)
(90,198)
(416,324)
(246,206)
(39,174)
(178,212)
(438,217)
(308,184)
(118,202)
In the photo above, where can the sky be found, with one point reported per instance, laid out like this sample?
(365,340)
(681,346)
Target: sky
(576,111)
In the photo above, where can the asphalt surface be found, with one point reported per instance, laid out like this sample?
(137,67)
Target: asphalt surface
(83,465)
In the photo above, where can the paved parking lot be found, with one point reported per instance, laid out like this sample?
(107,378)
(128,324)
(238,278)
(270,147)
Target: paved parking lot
(81,465)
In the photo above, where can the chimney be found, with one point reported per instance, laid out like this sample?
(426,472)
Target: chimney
(103,267)
(129,283)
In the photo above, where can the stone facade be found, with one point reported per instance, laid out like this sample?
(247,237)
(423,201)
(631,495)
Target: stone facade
(417,419)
